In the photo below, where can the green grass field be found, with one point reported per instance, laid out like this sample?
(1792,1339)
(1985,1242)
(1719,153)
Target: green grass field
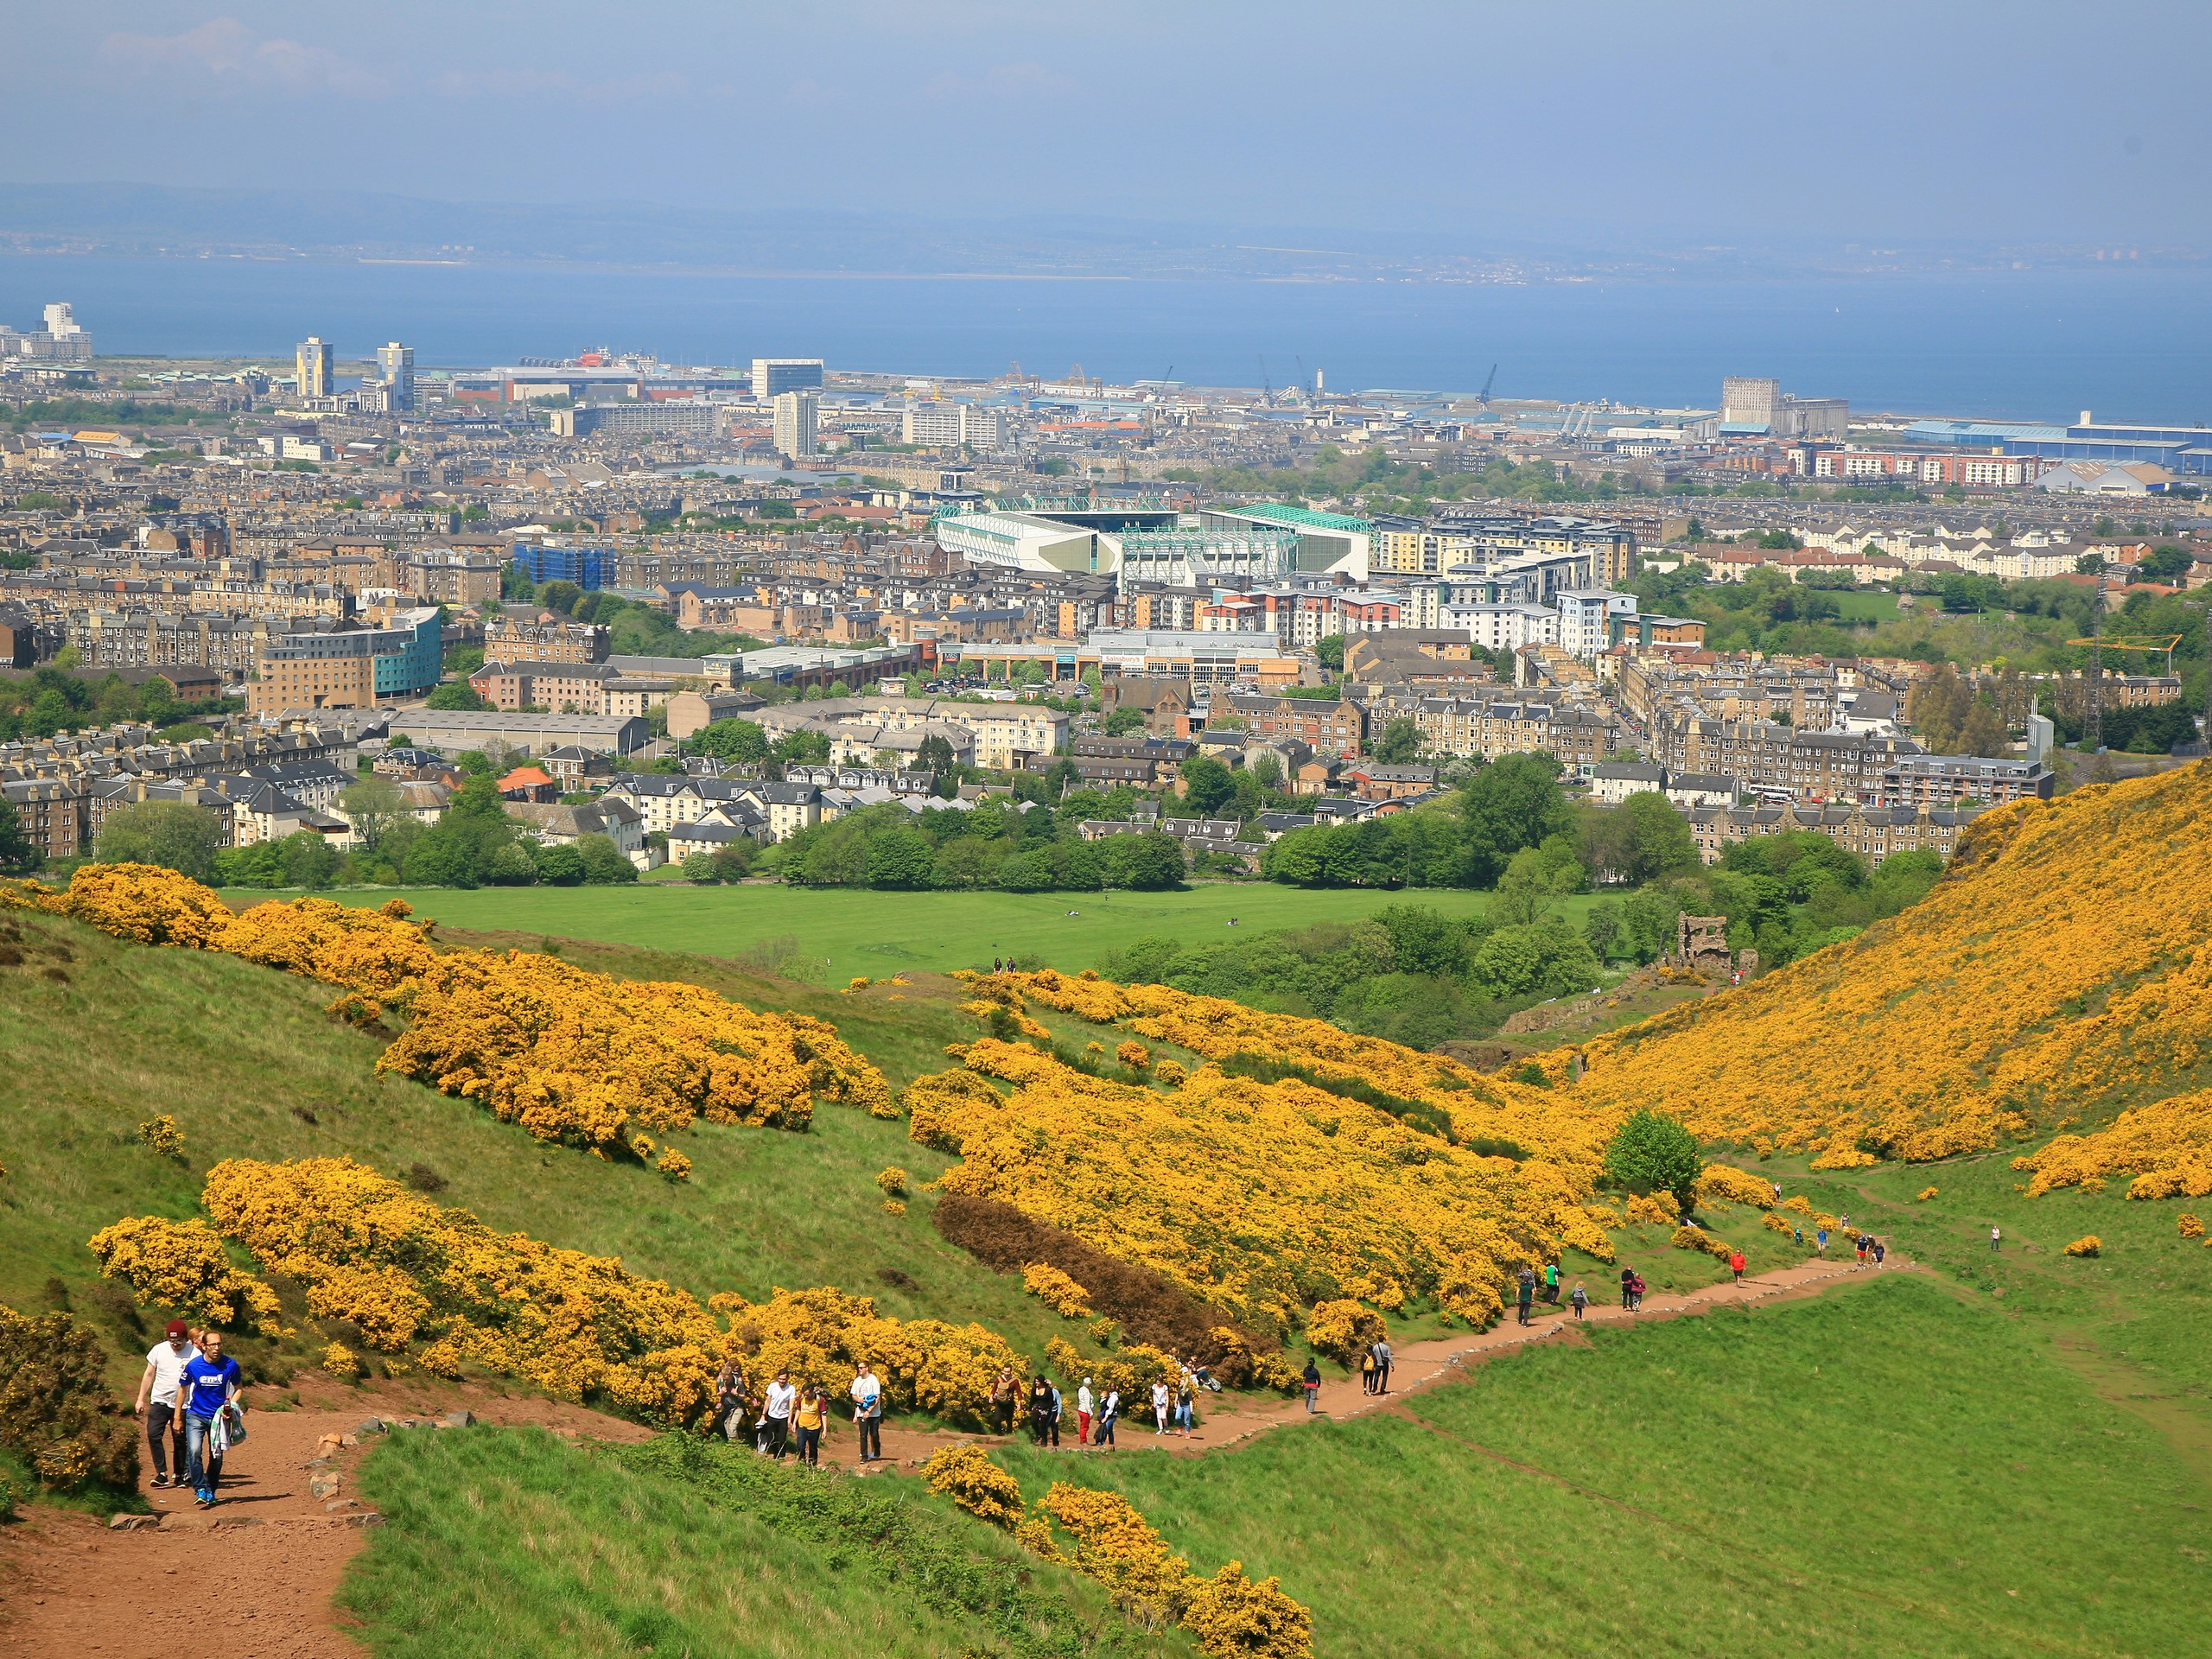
(1867,605)
(844,932)
(1890,1469)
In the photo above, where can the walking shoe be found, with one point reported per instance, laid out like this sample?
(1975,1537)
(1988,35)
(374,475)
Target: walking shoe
(161,1480)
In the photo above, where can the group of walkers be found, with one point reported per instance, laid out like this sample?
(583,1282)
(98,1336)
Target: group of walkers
(1098,1415)
(1373,1368)
(189,1398)
(784,1417)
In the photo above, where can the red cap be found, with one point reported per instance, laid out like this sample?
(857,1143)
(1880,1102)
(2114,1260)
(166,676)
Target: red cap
(177,1328)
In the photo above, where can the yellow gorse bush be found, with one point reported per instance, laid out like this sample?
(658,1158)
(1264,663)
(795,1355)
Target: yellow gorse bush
(1228,1614)
(2190,1226)
(967,1475)
(574,1057)
(184,1265)
(1725,1184)
(2167,1145)
(1251,1193)
(2089,1245)
(2064,964)
(403,1270)
(1056,1289)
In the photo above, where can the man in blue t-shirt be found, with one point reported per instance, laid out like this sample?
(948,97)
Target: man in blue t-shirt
(210,1383)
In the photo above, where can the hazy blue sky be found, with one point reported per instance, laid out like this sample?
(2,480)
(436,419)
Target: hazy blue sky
(1864,121)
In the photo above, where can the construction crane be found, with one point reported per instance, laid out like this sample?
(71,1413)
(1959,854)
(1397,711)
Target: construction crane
(2165,642)
(1482,400)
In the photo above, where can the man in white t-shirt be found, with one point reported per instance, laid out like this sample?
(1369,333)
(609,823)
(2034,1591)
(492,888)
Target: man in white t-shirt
(776,1418)
(158,1400)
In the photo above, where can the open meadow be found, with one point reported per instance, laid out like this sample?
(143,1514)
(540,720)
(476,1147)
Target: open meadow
(840,932)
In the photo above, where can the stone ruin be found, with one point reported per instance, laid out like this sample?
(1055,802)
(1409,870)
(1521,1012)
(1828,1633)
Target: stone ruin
(1701,946)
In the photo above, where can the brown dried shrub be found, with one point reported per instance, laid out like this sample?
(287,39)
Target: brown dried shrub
(1149,1305)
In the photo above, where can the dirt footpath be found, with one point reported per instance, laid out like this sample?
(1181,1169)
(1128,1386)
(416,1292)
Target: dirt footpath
(254,1577)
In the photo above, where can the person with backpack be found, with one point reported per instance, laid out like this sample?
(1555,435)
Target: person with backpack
(1367,1371)
(809,1418)
(867,1412)
(1311,1381)
(1528,1294)
(1003,1389)
(209,1386)
(1579,1297)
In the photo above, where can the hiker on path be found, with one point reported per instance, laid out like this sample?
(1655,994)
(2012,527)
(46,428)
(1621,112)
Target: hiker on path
(1110,1413)
(867,1412)
(1636,1288)
(1382,1358)
(1776,1185)
(1860,1243)
(1580,1298)
(157,1399)
(776,1415)
(1801,1234)
(208,1384)
(1994,1234)
(1082,1414)
(1551,1283)
(1881,1253)
(1312,1382)
(1628,1289)
(1736,1265)
(1040,1410)
(1822,1236)
(1052,1423)
(811,1417)
(1367,1371)
(1160,1406)
(1528,1293)
(1186,1399)
(1003,1389)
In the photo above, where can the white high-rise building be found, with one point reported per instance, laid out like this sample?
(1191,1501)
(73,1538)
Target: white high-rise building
(396,366)
(61,319)
(795,414)
(314,366)
(949,425)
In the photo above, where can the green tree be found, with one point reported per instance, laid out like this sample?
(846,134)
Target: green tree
(19,855)
(168,833)
(457,695)
(605,864)
(935,755)
(562,866)
(1207,785)
(1151,862)
(1401,743)
(1650,1153)
(373,805)
(737,742)
(901,860)
(1516,802)
(1331,651)
(1658,840)
(1604,927)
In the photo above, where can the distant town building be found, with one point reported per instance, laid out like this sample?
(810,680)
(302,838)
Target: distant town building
(315,367)
(796,413)
(774,376)
(951,425)
(396,366)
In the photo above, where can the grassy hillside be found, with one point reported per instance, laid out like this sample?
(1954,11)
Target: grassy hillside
(250,1065)
(842,933)
(2061,972)
(508,1544)
(1887,1470)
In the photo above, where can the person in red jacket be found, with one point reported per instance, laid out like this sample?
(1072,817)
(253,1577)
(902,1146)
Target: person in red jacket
(1736,1265)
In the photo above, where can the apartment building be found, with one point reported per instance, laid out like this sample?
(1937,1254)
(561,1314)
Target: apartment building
(513,637)
(563,688)
(1336,728)
(1574,734)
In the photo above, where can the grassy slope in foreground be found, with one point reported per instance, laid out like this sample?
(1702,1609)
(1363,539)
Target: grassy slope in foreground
(2061,970)
(508,1544)
(879,933)
(238,1053)
(1885,1469)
